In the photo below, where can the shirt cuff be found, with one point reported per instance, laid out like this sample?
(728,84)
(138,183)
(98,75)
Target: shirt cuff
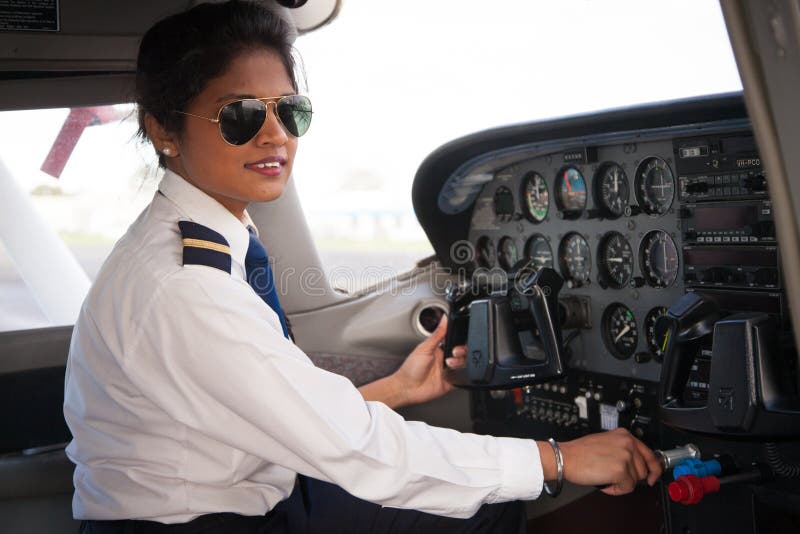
(523,477)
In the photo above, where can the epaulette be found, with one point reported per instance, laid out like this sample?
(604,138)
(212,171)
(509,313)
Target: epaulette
(204,246)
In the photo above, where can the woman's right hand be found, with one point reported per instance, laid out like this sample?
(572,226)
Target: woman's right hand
(614,459)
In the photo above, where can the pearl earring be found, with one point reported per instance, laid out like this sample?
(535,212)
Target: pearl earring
(167,151)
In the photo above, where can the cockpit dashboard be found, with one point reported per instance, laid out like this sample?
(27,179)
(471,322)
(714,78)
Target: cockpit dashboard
(639,210)
(631,219)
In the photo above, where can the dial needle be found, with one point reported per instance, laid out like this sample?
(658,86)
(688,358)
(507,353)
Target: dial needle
(622,333)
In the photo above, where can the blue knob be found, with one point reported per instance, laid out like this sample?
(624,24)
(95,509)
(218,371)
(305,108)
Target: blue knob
(698,468)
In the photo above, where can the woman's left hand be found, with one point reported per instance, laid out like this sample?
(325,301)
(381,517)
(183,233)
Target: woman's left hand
(421,377)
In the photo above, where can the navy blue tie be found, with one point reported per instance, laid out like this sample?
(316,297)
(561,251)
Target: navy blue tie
(260,277)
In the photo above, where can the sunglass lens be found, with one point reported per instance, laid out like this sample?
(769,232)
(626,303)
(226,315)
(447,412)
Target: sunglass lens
(240,121)
(295,114)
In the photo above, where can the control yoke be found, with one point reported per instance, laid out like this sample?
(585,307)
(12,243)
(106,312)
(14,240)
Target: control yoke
(512,332)
(724,375)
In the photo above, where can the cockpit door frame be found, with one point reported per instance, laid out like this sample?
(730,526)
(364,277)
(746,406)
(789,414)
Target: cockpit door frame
(765,36)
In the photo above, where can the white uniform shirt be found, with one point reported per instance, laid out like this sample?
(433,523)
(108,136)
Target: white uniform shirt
(184,398)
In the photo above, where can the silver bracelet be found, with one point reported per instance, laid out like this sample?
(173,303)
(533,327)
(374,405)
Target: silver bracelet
(553,492)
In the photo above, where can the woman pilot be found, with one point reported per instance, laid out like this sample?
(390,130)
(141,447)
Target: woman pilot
(190,407)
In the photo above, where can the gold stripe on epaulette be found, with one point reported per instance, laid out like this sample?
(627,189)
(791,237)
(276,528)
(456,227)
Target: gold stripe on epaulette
(210,245)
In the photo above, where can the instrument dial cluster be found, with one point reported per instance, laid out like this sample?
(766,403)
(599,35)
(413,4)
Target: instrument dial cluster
(570,192)
(575,259)
(535,197)
(615,260)
(538,249)
(612,190)
(620,333)
(605,219)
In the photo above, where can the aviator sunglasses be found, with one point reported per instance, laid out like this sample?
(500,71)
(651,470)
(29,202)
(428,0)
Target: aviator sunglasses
(240,120)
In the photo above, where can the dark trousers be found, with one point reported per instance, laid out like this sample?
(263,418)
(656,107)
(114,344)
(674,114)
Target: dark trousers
(316,507)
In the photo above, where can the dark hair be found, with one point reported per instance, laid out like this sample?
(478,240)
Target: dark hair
(180,54)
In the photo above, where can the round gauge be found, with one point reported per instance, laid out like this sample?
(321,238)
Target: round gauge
(615,259)
(535,197)
(507,254)
(575,258)
(619,331)
(655,186)
(503,204)
(612,190)
(538,249)
(484,252)
(658,257)
(656,346)
(570,191)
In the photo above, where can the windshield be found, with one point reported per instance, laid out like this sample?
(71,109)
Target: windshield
(391,82)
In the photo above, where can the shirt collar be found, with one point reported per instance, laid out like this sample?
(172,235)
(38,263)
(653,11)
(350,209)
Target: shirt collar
(203,209)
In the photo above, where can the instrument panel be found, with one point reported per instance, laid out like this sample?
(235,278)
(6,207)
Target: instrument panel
(605,218)
(640,211)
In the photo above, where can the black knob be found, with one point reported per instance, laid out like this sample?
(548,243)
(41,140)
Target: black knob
(691,235)
(684,213)
(635,210)
(756,183)
(642,357)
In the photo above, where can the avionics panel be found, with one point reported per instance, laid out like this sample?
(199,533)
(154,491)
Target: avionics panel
(728,222)
(743,267)
(719,167)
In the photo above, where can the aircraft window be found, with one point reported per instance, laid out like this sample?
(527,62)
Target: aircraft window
(72,181)
(390,83)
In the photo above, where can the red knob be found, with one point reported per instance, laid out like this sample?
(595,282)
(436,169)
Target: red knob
(689,489)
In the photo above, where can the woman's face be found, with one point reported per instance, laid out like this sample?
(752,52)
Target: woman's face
(230,173)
